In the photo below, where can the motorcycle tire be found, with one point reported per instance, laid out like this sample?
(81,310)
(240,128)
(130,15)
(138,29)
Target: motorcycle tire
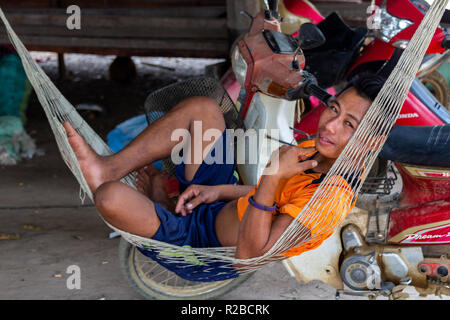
(155,282)
(439,87)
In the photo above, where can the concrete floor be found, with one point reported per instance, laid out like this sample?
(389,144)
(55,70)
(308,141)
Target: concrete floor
(40,206)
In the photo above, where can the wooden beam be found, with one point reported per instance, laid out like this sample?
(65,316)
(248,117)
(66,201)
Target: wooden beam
(142,3)
(182,12)
(151,47)
(125,32)
(109,3)
(114,30)
(115,21)
(5,4)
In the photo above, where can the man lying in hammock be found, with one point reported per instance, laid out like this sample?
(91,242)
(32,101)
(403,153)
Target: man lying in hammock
(211,210)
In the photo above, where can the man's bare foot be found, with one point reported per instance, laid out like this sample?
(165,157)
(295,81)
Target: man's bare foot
(90,162)
(150,182)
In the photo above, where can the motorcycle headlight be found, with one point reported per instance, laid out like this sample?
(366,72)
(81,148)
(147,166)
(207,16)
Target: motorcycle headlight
(387,25)
(239,65)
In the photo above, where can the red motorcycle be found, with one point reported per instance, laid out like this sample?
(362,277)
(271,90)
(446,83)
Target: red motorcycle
(395,239)
(345,55)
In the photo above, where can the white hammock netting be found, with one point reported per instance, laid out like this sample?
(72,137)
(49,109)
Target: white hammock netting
(319,213)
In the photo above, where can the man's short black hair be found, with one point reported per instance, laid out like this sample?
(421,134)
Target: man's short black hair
(367,85)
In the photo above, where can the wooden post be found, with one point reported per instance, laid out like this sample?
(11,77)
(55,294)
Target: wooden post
(61,66)
(236,22)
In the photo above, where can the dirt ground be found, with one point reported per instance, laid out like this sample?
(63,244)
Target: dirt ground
(40,205)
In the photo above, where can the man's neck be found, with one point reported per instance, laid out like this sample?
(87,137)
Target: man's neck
(324,164)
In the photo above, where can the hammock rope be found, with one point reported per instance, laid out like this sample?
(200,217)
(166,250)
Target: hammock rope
(319,213)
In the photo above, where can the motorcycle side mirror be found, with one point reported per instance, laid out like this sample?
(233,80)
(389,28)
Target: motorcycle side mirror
(310,36)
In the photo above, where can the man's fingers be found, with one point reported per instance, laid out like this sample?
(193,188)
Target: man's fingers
(305,165)
(306,151)
(181,200)
(194,203)
(184,197)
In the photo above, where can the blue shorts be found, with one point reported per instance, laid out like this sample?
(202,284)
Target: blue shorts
(197,229)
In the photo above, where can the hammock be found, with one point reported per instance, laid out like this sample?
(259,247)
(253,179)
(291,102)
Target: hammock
(360,152)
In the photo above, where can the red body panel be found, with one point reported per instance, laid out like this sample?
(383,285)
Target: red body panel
(379,50)
(415,113)
(423,216)
(303,9)
(309,122)
(426,188)
(406,10)
(428,223)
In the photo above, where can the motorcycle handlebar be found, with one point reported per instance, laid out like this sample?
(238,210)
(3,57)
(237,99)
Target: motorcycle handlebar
(316,91)
(308,89)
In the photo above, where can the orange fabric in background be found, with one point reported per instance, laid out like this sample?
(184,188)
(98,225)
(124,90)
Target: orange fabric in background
(294,193)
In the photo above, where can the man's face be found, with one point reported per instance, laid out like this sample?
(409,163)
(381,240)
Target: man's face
(339,122)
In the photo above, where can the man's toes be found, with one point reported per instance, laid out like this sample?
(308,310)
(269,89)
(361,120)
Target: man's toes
(140,187)
(151,170)
(142,176)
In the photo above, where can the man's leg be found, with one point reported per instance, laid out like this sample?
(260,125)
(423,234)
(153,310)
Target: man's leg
(154,143)
(120,205)
(127,209)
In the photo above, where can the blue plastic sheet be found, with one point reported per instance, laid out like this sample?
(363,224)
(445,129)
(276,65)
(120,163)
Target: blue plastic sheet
(125,132)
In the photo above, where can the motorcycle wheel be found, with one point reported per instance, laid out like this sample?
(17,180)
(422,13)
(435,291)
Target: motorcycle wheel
(439,87)
(155,282)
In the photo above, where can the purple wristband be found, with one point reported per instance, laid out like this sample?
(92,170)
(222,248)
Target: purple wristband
(260,206)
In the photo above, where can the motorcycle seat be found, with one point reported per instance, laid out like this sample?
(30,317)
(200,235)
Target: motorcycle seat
(428,146)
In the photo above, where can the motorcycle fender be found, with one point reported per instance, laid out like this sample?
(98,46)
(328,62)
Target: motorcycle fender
(269,119)
(322,263)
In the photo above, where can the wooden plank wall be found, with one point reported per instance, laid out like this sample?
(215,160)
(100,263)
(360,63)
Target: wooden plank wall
(23,4)
(184,28)
(190,31)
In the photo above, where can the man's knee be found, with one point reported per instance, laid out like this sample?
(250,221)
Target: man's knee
(106,197)
(203,106)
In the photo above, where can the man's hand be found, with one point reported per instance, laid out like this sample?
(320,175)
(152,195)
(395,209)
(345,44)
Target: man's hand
(195,195)
(291,161)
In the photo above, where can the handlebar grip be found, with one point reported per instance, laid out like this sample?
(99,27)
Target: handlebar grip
(316,91)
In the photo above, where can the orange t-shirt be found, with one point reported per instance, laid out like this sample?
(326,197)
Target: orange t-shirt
(294,193)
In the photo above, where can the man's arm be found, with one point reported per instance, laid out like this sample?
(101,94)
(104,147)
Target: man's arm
(228,192)
(195,195)
(258,231)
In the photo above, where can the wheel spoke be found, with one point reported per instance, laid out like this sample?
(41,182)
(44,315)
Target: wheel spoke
(167,283)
